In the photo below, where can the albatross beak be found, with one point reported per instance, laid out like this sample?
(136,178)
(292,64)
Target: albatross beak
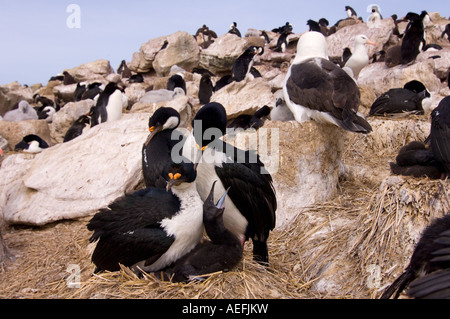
(371,43)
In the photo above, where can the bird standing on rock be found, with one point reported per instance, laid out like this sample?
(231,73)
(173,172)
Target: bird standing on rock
(315,88)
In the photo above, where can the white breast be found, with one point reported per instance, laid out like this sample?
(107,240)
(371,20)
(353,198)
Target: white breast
(186,227)
(114,107)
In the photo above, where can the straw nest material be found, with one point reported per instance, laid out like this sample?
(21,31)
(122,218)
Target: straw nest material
(351,246)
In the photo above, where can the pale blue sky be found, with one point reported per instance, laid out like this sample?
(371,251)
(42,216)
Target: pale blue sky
(36,42)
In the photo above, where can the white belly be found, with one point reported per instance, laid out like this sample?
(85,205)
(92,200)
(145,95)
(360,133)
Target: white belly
(114,107)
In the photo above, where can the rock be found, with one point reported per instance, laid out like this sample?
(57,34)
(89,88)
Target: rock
(179,103)
(220,56)
(345,37)
(305,172)
(65,92)
(14,132)
(181,50)
(92,71)
(76,178)
(142,61)
(11,94)
(64,118)
(244,97)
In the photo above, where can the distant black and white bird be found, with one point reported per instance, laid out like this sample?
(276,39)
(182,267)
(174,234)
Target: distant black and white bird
(415,159)
(351,13)
(157,149)
(409,99)
(431,254)
(93,89)
(109,105)
(31,143)
(123,70)
(221,253)
(46,113)
(176,81)
(42,100)
(250,121)
(315,88)
(81,125)
(234,30)
(151,228)
(205,89)
(23,112)
(241,67)
(440,133)
(283,41)
(251,202)
(286,27)
(413,39)
(79,90)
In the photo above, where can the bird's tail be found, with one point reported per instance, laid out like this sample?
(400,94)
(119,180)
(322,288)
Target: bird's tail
(398,285)
(356,124)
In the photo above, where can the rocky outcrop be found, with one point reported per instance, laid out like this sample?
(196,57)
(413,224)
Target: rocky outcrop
(92,71)
(244,97)
(161,53)
(11,94)
(220,56)
(14,132)
(76,178)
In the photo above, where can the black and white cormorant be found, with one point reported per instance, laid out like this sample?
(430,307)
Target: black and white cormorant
(221,253)
(431,254)
(409,99)
(157,149)
(251,202)
(151,228)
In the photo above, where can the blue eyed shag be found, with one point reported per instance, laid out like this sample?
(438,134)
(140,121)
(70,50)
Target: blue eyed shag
(157,149)
(251,203)
(151,228)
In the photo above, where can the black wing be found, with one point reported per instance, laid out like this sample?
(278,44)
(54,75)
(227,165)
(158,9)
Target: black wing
(321,85)
(251,191)
(129,231)
(440,133)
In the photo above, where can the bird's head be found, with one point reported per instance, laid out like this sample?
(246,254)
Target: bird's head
(164,118)
(213,211)
(180,174)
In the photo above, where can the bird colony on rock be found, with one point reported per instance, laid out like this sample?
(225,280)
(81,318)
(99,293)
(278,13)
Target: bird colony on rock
(186,106)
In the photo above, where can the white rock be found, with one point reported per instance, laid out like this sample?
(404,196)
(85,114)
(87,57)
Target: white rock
(76,178)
